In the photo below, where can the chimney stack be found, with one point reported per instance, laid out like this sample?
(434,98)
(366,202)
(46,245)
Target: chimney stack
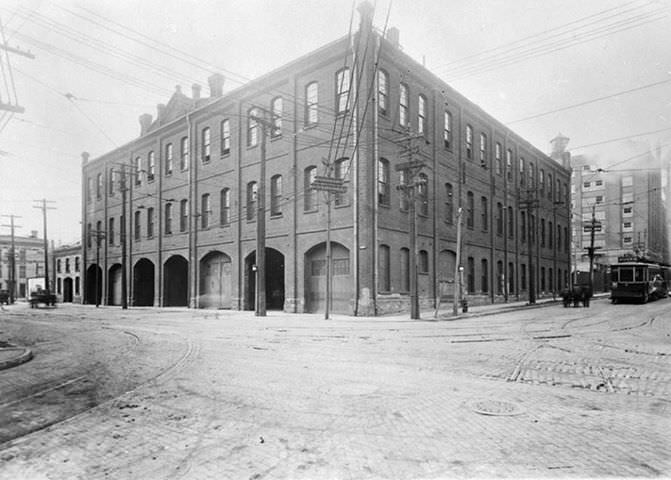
(366,11)
(393,35)
(145,122)
(85,157)
(160,111)
(195,90)
(216,82)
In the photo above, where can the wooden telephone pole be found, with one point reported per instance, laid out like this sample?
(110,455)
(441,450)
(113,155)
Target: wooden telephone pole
(12,257)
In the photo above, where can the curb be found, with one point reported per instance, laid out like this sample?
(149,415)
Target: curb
(23,355)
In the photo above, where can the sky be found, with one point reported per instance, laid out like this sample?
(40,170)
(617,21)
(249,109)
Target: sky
(597,71)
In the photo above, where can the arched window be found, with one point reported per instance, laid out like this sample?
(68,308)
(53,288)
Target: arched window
(484,160)
(276,195)
(138,171)
(447,129)
(484,279)
(168,159)
(252,127)
(469,142)
(311,103)
(342,91)
(499,218)
(225,206)
(205,139)
(151,166)
(511,223)
(310,198)
(484,208)
(498,159)
(252,193)
(470,274)
(470,210)
(184,153)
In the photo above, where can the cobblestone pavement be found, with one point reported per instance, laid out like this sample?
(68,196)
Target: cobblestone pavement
(547,392)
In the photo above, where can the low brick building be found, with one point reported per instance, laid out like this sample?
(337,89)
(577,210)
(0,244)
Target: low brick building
(354,109)
(67,273)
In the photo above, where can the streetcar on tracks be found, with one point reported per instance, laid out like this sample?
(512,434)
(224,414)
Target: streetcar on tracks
(638,280)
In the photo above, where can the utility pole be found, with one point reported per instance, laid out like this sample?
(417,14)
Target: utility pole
(330,185)
(122,232)
(411,182)
(457,263)
(12,258)
(266,126)
(12,105)
(592,249)
(44,209)
(530,205)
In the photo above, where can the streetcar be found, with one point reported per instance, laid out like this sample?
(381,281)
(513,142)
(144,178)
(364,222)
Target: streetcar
(636,280)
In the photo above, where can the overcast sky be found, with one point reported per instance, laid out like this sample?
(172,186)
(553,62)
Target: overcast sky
(514,58)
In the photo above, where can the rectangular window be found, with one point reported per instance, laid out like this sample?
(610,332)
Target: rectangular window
(251,200)
(183,215)
(252,127)
(138,171)
(205,140)
(542,232)
(485,213)
(449,204)
(225,207)
(509,165)
(499,219)
(225,137)
(384,268)
(469,142)
(168,159)
(522,172)
(205,210)
(184,154)
(150,222)
(110,232)
(276,117)
(447,129)
(310,199)
(112,181)
(311,104)
(341,172)
(151,166)
(627,181)
(276,195)
(498,159)
(421,115)
(342,91)
(470,210)
(403,105)
(168,218)
(484,161)
(136,225)
(511,223)
(382,92)
(383,187)
(523,226)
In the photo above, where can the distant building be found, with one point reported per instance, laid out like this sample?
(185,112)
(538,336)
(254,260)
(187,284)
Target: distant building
(29,262)
(193,188)
(67,272)
(628,203)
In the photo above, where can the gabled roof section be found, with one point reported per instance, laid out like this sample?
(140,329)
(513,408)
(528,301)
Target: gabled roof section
(177,107)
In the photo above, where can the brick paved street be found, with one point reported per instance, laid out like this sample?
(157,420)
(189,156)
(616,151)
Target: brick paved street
(206,394)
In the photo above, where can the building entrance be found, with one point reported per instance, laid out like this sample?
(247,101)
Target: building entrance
(143,283)
(274,280)
(176,282)
(94,284)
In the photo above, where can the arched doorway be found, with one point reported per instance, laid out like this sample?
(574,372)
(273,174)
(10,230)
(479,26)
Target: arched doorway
(215,286)
(274,280)
(143,283)
(315,279)
(94,284)
(67,290)
(176,282)
(446,263)
(114,279)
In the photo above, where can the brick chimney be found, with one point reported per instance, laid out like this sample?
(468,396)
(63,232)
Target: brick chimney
(366,11)
(85,158)
(216,83)
(145,122)
(195,92)
(160,111)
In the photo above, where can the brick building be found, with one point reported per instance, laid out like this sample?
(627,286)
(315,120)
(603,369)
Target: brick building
(29,262)
(192,186)
(67,273)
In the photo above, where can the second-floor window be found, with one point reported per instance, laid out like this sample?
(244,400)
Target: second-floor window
(276,195)
(252,193)
(484,209)
(447,129)
(110,232)
(136,224)
(205,138)
(183,215)
(483,151)
(469,142)
(509,165)
(423,194)
(168,218)
(310,199)
(99,185)
(225,206)
(341,172)
(205,210)
(150,222)
(498,159)
(449,203)
(138,171)
(470,210)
